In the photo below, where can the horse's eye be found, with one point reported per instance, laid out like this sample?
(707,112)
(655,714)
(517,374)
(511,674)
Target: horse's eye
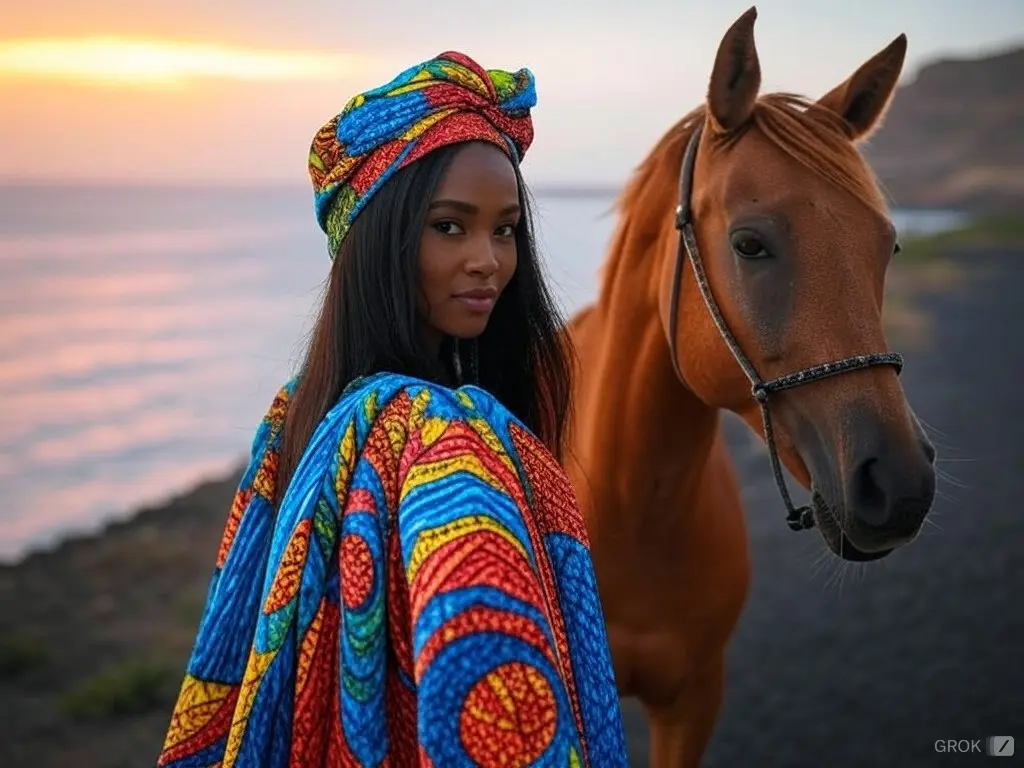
(748,245)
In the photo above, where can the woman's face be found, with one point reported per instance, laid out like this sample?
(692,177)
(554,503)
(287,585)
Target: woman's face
(468,246)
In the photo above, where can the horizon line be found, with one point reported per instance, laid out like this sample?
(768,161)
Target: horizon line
(564,187)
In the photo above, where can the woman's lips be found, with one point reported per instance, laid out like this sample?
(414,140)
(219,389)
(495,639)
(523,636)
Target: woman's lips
(478,299)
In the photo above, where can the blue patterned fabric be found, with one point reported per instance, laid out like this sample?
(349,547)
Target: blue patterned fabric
(425,596)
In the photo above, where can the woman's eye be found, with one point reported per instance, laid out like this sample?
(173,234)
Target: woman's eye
(448,228)
(509,230)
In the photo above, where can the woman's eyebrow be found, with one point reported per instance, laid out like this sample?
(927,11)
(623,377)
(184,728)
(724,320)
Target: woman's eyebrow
(469,208)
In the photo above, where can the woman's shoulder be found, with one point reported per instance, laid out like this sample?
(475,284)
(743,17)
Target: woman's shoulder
(371,393)
(466,401)
(408,397)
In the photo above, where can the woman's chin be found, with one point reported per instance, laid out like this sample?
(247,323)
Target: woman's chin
(468,329)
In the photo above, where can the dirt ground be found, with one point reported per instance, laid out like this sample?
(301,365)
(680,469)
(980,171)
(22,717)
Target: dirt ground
(831,665)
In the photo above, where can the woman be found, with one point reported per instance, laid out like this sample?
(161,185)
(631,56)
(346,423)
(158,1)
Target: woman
(404,578)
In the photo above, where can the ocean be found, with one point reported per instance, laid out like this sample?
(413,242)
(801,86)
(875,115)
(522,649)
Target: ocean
(144,331)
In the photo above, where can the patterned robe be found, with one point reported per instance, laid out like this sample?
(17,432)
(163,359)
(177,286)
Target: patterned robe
(425,597)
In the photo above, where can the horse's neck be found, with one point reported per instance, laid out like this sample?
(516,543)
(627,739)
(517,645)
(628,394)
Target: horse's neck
(650,436)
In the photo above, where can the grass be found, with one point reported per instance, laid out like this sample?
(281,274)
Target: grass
(132,688)
(20,653)
(992,231)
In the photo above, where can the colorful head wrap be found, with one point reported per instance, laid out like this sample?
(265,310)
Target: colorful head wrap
(445,100)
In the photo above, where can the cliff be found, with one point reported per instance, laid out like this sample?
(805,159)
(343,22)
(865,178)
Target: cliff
(954,136)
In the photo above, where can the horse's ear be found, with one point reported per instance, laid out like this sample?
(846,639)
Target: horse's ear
(863,98)
(736,78)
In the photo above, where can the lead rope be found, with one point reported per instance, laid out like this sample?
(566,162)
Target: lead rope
(457,361)
(468,371)
(798,518)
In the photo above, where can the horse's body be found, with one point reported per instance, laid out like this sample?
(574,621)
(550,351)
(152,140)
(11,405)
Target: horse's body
(667,531)
(795,245)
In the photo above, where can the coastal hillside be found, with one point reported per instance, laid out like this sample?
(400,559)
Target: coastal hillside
(954,136)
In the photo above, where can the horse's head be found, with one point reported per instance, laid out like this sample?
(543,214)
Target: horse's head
(795,241)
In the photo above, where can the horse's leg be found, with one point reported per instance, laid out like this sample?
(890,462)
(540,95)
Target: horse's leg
(715,555)
(680,732)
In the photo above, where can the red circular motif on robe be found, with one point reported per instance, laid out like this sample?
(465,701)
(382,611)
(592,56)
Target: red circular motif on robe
(509,716)
(356,570)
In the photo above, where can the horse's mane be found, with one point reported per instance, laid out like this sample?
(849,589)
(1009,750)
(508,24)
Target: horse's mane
(812,135)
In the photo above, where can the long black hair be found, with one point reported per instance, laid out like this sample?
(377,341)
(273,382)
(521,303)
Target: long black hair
(369,321)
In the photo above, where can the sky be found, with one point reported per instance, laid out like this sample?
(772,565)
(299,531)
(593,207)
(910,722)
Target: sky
(193,91)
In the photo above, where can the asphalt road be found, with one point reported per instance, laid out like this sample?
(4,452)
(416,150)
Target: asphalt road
(866,666)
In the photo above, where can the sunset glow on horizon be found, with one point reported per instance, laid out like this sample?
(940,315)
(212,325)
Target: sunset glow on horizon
(118,91)
(148,63)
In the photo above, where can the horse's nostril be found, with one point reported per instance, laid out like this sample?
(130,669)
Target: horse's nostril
(868,495)
(892,499)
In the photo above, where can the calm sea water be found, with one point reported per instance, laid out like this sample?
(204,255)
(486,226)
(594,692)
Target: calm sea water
(143,333)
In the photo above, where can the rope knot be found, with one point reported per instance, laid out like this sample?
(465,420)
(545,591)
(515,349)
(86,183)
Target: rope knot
(800,519)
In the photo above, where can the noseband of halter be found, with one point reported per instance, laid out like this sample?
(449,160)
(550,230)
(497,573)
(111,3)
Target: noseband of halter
(800,518)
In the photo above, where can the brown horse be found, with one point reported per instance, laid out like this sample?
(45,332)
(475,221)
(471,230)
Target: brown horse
(752,249)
